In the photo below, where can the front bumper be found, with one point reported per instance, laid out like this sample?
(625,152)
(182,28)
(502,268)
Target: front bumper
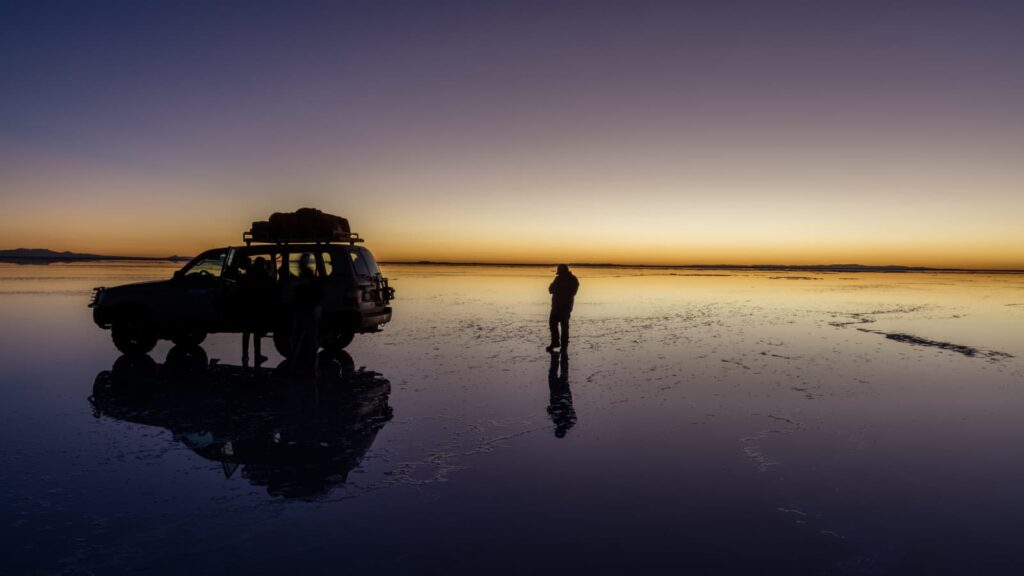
(103,317)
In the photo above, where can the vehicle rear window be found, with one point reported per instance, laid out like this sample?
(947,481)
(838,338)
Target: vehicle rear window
(371,264)
(359,263)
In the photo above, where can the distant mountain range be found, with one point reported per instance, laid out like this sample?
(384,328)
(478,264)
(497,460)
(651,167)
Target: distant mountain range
(46,255)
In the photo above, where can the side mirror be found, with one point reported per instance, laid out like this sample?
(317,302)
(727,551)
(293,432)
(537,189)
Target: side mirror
(179,275)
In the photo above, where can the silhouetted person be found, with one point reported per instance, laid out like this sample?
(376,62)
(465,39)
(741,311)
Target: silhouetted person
(256,292)
(305,337)
(563,291)
(560,408)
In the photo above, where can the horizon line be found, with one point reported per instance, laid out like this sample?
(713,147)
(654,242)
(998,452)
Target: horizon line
(850,267)
(847,267)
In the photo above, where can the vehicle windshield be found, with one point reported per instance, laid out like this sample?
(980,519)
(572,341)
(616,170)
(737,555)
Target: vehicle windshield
(210,265)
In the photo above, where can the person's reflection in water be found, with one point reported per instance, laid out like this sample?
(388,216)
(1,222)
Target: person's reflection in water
(560,405)
(295,439)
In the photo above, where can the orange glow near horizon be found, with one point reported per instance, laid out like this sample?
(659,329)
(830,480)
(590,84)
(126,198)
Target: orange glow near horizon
(484,232)
(598,215)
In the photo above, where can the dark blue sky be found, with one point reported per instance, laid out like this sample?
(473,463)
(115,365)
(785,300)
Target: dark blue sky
(91,76)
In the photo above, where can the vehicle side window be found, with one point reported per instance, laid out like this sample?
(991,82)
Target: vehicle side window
(337,263)
(236,264)
(276,263)
(251,258)
(359,263)
(208,266)
(295,263)
(273,262)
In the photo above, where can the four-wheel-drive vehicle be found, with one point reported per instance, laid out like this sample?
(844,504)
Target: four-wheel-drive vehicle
(206,297)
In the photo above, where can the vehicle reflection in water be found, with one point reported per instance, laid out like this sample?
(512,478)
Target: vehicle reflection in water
(298,438)
(560,408)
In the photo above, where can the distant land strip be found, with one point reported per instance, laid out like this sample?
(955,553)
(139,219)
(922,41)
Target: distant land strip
(45,255)
(27,255)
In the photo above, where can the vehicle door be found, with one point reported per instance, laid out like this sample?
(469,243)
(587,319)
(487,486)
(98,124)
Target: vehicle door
(235,306)
(226,300)
(195,304)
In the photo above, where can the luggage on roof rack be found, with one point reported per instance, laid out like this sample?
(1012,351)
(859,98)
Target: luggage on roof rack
(303,225)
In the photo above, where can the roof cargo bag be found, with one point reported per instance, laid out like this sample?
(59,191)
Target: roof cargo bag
(305,224)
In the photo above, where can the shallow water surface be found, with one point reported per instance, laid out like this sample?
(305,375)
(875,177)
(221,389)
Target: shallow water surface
(703,422)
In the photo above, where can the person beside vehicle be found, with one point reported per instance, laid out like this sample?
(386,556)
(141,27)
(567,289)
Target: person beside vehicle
(307,296)
(256,292)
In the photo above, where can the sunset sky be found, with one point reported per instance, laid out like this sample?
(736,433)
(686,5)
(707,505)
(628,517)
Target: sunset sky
(740,132)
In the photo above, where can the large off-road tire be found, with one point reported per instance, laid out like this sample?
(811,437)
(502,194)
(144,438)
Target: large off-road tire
(335,341)
(189,339)
(134,334)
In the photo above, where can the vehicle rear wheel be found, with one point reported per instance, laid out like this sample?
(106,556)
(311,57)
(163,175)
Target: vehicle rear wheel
(185,361)
(189,338)
(335,341)
(134,335)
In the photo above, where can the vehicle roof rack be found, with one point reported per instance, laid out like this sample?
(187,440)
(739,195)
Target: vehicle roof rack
(337,238)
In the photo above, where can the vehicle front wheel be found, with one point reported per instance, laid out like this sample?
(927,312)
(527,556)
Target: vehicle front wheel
(134,335)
